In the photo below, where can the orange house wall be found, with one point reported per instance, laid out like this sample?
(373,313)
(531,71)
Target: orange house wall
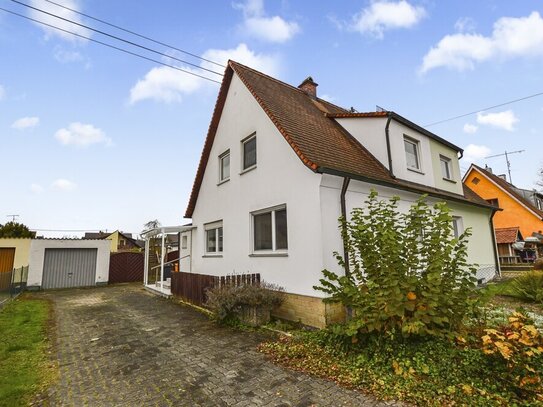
(513,213)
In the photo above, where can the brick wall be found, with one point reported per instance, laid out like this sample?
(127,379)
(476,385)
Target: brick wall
(310,310)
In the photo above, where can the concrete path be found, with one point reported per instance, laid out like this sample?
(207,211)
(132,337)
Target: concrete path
(121,346)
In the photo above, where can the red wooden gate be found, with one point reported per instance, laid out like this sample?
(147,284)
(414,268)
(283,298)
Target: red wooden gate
(125,267)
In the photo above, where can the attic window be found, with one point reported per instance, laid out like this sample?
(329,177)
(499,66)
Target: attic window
(475,180)
(224,166)
(411,147)
(249,152)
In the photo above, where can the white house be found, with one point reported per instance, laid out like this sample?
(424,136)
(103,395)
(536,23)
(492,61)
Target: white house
(279,166)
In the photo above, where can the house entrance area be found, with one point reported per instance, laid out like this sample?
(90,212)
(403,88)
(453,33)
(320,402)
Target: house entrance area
(163,256)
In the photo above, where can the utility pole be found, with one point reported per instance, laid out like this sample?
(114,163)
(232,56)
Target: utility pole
(506,154)
(13,217)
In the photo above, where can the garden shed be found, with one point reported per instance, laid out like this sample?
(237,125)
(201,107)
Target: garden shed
(67,263)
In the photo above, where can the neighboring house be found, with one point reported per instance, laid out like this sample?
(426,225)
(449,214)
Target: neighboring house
(280,166)
(120,242)
(14,253)
(520,208)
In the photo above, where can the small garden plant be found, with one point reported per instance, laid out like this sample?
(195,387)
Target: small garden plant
(230,302)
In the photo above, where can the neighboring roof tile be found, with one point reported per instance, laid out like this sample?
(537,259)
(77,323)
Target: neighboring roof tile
(509,188)
(507,235)
(307,124)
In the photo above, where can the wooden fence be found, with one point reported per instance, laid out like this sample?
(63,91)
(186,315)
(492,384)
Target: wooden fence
(192,287)
(126,267)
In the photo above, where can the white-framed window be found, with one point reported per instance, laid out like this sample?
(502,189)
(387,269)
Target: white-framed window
(270,233)
(248,152)
(213,238)
(446,167)
(412,153)
(224,166)
(184,242)
(458,226)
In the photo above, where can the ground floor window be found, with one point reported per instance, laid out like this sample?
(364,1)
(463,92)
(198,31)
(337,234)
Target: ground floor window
(270,230)
(213,238)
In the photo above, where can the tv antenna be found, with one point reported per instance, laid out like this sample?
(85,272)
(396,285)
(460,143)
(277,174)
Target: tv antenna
(506,154)
(13,217)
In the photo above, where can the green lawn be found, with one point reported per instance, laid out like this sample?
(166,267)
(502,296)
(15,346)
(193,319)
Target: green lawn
(25,369)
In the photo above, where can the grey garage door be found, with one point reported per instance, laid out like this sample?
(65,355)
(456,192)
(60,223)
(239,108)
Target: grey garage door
(63,268)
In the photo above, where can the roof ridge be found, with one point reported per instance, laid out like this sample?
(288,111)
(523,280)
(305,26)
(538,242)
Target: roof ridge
(233,63)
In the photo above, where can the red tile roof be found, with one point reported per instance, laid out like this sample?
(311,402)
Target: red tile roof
(308,125)
(507,235)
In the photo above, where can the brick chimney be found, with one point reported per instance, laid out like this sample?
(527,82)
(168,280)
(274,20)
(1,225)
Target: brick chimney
(309,87)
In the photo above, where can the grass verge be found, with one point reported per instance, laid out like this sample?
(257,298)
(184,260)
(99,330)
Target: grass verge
(25,368)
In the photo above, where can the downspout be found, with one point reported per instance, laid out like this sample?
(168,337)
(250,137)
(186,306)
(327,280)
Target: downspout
(496,257)
(389,153)
(344,188)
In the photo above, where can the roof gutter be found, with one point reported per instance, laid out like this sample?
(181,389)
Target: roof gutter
(389,152)
(344,187)
(337,173)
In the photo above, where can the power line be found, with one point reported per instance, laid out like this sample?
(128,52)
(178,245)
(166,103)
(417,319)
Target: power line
(135,33)
(111,46)
(486,108)
(66,230)
(115,37)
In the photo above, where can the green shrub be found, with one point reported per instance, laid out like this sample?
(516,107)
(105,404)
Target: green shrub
(226,301)
(529,286)
(408,273)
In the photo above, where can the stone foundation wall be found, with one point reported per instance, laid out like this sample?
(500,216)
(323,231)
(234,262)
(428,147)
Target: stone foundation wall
(310,311)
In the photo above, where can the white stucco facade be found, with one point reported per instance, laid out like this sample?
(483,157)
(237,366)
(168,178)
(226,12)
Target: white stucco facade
(37,257)
(312,200)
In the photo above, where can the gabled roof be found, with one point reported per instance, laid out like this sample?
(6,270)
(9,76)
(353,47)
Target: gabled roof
(508,235)
(508,188)
(308,125)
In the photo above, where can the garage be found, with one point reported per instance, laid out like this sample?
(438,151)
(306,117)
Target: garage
(68,263)
(64,268)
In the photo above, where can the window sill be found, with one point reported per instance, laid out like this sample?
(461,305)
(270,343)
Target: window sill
(212,255)
(268,255)
(449,180)
(415,170)
(223,181)
(248,169)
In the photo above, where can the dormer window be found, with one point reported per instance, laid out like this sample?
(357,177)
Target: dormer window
(249,152)
(446,169)
(412,154)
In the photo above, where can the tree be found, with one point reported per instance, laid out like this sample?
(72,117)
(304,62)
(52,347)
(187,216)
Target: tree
(152,224)
(15,229)
(408,273)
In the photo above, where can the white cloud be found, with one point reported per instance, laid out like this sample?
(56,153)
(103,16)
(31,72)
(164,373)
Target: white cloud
(258,25)
(25,123)
(62,12)
(502,120)
(36,188)
(164,84)
(82,135)
(2,93)
(511,37)
(384,15)
(65,56)
(62,184)
(474,153)
(465,24)
(470,128)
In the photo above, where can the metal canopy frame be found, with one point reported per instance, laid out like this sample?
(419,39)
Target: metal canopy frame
(161,231)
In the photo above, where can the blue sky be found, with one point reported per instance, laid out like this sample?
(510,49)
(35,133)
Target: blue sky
(92,138)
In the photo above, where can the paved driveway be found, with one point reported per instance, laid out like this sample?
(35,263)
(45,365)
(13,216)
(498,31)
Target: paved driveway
(120,345)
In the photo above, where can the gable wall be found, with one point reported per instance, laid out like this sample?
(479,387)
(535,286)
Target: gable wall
(279,178)
(513,213)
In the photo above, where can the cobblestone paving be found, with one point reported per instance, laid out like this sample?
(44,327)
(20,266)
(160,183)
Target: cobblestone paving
(121,346)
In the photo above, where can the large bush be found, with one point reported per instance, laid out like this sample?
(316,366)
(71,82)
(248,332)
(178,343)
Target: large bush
(227,300)
(408,275)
